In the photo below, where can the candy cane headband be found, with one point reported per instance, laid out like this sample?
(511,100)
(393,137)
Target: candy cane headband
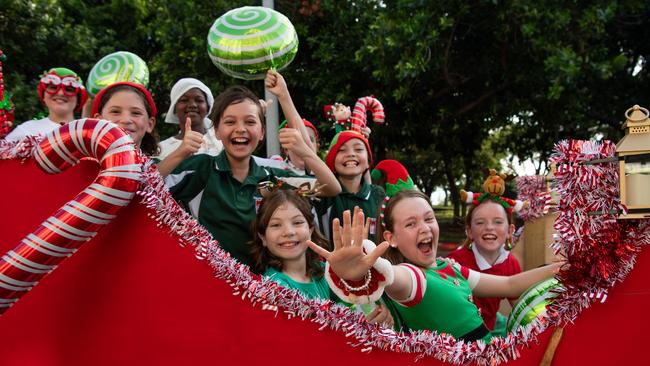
(68,80)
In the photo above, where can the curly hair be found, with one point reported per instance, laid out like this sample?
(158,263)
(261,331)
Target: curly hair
(262,257)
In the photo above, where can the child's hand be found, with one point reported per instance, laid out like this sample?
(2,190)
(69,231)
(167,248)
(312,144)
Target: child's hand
(380,315)
(348,259)
(275,83)
(192,140)
(291,140)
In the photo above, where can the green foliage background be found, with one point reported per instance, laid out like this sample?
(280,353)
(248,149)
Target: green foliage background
(464,83)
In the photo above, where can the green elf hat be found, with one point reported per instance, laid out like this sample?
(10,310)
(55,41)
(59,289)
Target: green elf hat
(396,175)
(396,178)
(340,139)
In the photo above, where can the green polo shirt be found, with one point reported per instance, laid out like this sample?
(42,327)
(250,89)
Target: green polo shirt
(205,187)
(369,198)
(316,289)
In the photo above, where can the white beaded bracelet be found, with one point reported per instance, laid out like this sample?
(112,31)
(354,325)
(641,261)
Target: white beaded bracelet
(360,288)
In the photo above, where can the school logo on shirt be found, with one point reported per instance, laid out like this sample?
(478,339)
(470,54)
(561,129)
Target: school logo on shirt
(373,226)
(258,203)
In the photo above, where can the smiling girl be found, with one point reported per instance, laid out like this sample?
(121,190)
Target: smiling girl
(489,229)
(191,99)
(283,226)
(350,157)
(63,93)
(430,293)
(130,106)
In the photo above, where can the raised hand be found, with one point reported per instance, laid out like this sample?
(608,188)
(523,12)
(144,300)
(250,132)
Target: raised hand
(348,260)
(192,140)
(275,83)
(291,139)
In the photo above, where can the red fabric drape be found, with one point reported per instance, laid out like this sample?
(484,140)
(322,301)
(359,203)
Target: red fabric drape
(133,296)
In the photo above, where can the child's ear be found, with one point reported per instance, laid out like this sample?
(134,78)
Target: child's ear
(388,236)
(151,124)
(263,238)
(97,115)
(216,132)
(468,232)
(511,229)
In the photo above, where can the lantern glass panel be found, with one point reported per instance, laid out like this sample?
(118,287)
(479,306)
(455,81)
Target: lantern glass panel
(637,179)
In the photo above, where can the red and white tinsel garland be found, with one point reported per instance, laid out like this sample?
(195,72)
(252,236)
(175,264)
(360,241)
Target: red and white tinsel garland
(534,190)
(600,249)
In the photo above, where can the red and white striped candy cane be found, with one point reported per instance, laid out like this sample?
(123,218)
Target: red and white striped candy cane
(80,219)
(358,118)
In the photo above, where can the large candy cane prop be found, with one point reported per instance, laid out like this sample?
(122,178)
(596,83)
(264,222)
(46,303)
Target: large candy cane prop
(358,118)
(78,220)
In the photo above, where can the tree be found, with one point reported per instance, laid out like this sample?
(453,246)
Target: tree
(463,83)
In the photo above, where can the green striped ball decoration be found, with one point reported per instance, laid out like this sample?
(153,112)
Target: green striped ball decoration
(246,42)
(116,67)
(532,304)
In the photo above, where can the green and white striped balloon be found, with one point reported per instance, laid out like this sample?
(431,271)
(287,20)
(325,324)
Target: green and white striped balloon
(247,41)
(532,304)
(116,67)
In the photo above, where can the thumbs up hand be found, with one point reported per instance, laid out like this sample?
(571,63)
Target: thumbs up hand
(192,140)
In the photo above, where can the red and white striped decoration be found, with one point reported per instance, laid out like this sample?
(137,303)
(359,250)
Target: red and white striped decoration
(79,220)
(359,118)
(534,190)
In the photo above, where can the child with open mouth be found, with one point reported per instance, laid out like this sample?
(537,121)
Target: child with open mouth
(221,191)
(430,293)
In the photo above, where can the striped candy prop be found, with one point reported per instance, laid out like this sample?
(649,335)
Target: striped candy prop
(78,220)
(532,304)
(364,104)
(246,42)
(116,67)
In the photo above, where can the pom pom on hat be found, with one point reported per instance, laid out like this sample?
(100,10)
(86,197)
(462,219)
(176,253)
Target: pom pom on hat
(340,139)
